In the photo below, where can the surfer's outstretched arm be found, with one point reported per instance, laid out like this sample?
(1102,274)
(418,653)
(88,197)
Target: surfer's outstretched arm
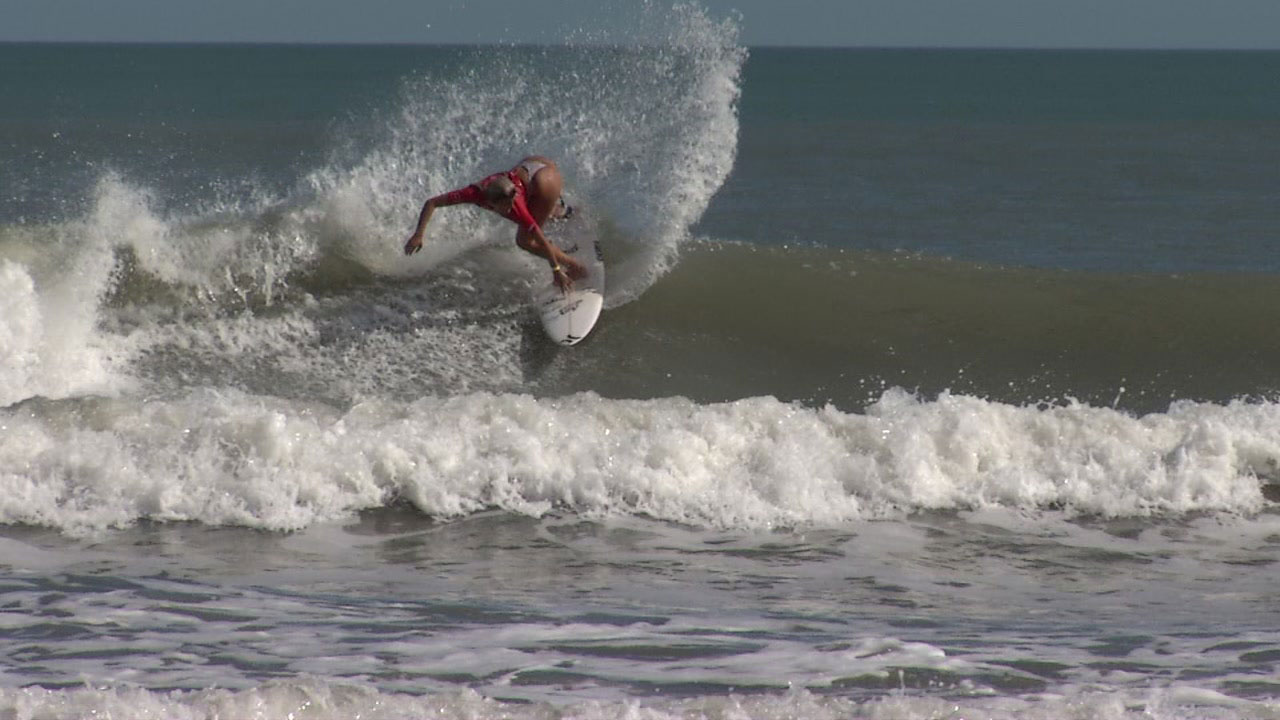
(415,240)
(468,194)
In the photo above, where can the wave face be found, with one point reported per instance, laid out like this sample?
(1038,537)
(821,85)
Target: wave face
(826,325)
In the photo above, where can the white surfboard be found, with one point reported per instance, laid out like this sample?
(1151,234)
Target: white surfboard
(568,317)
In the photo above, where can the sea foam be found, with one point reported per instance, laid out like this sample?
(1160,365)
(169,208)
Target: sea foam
(321,700)
(230,458)
(52,283)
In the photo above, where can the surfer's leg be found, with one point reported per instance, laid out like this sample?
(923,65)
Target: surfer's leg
(530,243)
(546,189)
(544,199)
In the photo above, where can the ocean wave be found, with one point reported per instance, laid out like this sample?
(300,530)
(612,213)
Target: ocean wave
(821,325)
(226,458)
(140,287)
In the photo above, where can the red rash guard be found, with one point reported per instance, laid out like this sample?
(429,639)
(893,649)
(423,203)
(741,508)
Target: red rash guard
(474,194)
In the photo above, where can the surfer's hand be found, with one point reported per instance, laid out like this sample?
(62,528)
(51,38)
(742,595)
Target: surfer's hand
(561,279)
(414,244)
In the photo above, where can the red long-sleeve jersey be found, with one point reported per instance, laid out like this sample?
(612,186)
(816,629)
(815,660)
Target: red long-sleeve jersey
(474,194)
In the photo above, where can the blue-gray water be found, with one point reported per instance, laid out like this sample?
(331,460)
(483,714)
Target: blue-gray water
(932,384)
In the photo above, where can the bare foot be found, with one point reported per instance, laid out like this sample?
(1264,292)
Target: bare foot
(562,210)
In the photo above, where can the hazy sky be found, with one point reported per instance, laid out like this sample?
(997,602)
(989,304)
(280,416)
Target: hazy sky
(875,23)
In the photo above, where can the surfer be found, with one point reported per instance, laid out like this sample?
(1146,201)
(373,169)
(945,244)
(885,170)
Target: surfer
(527,195)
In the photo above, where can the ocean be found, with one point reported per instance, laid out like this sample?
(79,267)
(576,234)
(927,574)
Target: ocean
(931,383)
